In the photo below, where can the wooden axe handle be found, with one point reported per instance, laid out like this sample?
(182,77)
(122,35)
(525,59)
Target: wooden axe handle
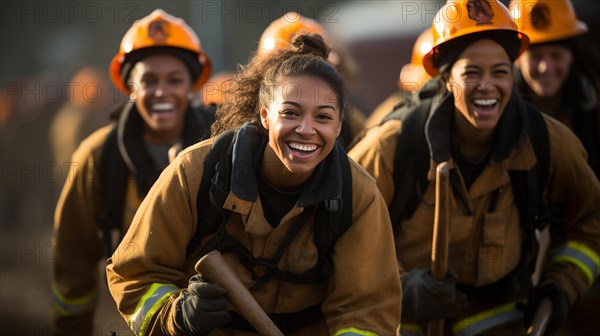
(441,235)
(541,319)
(441,223)
(214,269)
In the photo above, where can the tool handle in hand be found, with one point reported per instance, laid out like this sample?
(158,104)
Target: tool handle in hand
(213,268)
(441,236)
(541,319)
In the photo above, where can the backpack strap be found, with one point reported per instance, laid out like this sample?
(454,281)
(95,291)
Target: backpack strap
(529,186)
(214,188)
(332,218)
(113,175)
(411,160)
(410,167)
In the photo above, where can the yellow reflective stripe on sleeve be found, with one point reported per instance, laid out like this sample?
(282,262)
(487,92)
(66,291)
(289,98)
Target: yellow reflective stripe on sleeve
(487,319)
(148,305)
(411,329)
(73,306)
(353,332)
(582,256)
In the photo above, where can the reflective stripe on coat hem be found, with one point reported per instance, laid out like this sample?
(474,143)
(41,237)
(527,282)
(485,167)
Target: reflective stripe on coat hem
(411,329)
(487,319)
(353,332)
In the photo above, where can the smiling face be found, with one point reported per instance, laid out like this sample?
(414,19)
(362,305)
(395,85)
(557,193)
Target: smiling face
(160,86)
(303,121)
(481,82)
(545,68)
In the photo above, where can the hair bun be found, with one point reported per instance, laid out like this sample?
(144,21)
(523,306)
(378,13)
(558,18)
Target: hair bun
(311,44)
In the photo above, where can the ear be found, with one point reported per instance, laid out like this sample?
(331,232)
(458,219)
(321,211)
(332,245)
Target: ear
(448,85)
(264,117)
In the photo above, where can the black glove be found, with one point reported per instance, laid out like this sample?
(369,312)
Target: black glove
(560,305)
(426,299)
(201,307)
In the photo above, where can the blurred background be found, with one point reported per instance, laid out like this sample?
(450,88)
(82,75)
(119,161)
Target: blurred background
(54,57)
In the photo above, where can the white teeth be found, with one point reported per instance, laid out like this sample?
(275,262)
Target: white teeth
(163,106)
(485,102)
(301,147)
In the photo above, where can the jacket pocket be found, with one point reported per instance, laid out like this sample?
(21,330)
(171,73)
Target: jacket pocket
(500,248)
(494,228)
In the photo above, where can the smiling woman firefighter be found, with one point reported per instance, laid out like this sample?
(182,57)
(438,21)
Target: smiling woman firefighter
(160,65)
(512,171)
(279,35)
(303,227)
(559,73)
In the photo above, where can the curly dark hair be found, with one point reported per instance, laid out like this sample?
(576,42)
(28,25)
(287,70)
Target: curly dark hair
(252,88)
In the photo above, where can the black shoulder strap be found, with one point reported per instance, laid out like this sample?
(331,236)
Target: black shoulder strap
(411,160)
(334,217)
(113,180)
(529,186)
(331,220)
(214,188)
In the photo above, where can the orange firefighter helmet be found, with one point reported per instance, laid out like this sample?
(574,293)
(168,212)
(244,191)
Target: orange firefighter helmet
(159,29)
(546,20)
(280,33)
(413,74)
(458,18)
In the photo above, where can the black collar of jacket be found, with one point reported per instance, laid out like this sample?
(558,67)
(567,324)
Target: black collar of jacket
(130,137)
(324,184)
(510,131)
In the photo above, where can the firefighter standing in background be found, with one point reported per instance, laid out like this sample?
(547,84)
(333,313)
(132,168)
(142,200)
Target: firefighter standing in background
(412,78)
(501,152)
(280,33)
(286,177)
(560,76)
(160,64)
(86,110)
(558,73)
(213,92)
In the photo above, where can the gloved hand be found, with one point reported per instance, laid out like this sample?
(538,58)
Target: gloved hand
(201,307)
(426,299)
(560,305)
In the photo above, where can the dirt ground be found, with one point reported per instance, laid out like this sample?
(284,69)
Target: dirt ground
(30,183)
(25,280)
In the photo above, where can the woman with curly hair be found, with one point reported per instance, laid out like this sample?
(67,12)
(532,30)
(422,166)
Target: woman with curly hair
(300,225)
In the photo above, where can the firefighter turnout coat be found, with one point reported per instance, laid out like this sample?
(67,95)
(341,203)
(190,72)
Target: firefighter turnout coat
(485,240)
(150,267)
(83,201)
